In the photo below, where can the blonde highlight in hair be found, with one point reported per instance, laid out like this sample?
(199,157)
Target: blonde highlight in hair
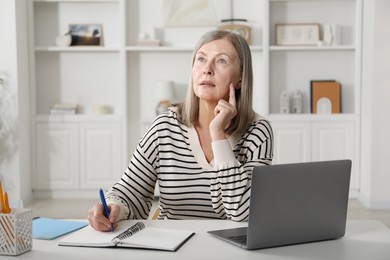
(189,110)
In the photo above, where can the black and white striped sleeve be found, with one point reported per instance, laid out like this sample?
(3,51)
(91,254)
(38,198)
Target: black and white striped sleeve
(231,180)
(134,192)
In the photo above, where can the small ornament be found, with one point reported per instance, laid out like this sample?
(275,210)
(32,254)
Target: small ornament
(164,93)
(297,102)
(64,40)
(162,106)
(284,102)
(328,36)
(336,30)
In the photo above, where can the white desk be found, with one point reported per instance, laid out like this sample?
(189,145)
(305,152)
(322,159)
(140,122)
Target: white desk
(365,240)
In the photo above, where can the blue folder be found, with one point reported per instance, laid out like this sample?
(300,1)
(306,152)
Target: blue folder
(48,228)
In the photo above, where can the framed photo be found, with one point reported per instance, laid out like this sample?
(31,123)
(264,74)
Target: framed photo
(180,13)
(297,34)
(86,34)
(325,97)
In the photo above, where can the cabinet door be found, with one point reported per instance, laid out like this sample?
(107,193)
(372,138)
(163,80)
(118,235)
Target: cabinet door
(333,140)
(56,156)
(291,142)
(99,155)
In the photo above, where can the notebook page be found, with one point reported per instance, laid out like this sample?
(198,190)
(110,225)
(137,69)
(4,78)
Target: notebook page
(91,238)
(157,238)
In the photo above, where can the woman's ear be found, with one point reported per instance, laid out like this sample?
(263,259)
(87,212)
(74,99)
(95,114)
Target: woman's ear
(238,85)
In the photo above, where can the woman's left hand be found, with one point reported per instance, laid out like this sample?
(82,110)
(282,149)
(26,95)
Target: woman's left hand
(224,113)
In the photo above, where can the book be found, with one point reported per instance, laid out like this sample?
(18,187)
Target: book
(64,108)
(133,236)
(55,111)
(325,96)
(48,228)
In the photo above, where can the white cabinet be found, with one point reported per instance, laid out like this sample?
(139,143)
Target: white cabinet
(304,141)
(77,155)
(86,150)
(100,164)
(318,139)
(57,156)
(337,140)
(332,140)
(292,142)
(306,136)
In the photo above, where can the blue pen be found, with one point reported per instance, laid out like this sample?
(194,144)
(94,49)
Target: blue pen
(106,212)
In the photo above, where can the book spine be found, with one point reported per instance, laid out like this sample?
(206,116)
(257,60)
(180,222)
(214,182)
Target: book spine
(130,231)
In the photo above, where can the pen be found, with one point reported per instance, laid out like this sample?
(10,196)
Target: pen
(106,211)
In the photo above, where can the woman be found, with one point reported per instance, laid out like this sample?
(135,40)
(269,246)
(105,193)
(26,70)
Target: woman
(201,152)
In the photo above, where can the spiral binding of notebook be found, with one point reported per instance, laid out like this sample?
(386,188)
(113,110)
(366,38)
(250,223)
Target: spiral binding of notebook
(130,231)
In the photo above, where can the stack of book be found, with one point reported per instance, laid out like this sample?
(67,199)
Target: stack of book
(64,109)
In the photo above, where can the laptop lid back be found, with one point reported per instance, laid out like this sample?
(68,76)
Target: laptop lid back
(298,203)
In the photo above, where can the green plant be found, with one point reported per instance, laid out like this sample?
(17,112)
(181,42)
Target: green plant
(8,120)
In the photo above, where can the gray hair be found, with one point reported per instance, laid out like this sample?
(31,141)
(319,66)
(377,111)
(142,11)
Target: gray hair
(189,110)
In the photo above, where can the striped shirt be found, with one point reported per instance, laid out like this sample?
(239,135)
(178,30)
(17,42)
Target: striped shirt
(190,187)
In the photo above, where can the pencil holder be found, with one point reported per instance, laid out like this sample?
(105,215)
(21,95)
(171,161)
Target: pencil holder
(15,232)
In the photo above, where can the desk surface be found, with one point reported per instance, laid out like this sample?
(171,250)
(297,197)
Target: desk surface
(364,240)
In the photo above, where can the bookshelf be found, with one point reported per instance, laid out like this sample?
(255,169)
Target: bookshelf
(122,75)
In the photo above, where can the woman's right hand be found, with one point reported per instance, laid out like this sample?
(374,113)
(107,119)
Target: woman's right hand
(98,221)
(224,112)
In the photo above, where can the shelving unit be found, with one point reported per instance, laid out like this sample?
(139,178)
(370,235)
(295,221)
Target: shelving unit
(310,137)
(123,75)
(76,154)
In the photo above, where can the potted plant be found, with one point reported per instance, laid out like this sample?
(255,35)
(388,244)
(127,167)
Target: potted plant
(8,120)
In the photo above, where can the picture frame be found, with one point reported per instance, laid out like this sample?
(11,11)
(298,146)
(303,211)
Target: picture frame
(325,97)
(86,34)
(297,34)
(188,13)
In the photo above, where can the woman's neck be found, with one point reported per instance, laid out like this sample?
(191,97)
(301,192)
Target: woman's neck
(206,114)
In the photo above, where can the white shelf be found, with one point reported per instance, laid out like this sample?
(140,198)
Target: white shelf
(158,49)
(77,49)
(172,48)
(76,1)
(312,48)
(79,118)
(311,117)
(311,0)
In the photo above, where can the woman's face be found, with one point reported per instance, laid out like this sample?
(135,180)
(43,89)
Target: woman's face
(215,67)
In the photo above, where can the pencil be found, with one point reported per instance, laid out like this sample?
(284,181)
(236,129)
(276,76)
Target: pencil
(1,198)
(6,208)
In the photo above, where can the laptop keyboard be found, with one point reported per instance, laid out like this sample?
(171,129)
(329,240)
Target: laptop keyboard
(239,239)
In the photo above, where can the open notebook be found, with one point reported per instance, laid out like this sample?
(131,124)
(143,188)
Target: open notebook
(132,236)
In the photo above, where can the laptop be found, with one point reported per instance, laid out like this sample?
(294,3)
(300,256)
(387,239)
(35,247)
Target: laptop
(294,203)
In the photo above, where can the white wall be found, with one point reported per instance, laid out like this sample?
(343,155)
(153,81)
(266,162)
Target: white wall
(15,171)
(375,170)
